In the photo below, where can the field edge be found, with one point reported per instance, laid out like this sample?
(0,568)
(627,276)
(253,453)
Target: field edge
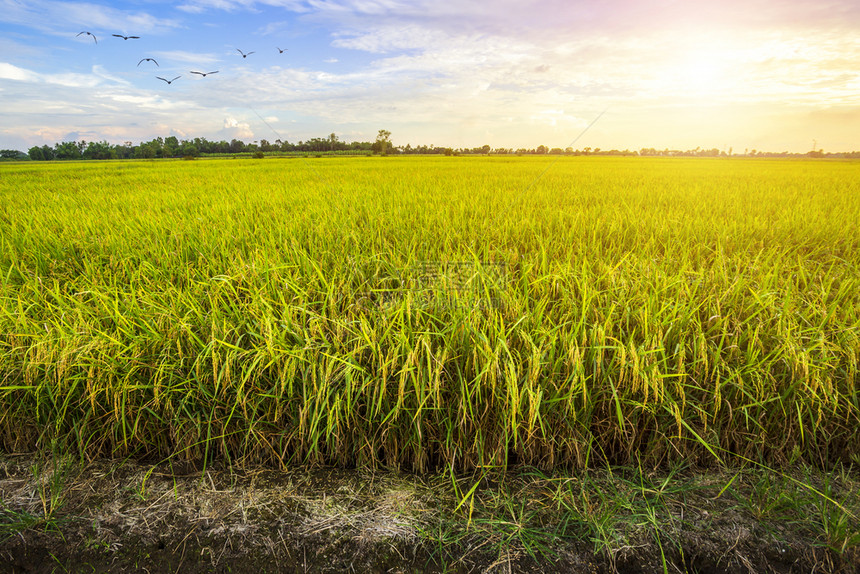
(64,515)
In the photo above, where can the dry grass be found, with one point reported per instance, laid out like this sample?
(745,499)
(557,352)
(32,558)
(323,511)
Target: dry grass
(123,515)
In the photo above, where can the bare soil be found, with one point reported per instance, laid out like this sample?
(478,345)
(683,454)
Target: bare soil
(123,516)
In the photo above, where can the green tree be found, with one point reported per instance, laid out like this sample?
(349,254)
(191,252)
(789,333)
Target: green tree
(171,146)
(67,150)
(144,151)
(124,150)
(99,150)
(382,143)
(188,149)
(36,154)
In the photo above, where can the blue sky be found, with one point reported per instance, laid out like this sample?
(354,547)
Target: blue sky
(742,74)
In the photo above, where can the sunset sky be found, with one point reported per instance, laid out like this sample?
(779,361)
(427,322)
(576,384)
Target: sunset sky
(771,75)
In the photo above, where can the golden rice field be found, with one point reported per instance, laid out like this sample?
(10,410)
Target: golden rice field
(426,313)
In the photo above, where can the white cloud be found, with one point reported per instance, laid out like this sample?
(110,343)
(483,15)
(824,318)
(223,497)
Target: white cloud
(185,57)
(72,80)
(389,38)
(98,76)
(191,8)
(275,27)
(199,6)
(234,129)
(56,17)
(12,72)
(101,72)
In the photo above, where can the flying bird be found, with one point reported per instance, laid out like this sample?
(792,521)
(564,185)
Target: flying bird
(204,75)
(244,55)
(148,60)
(168,81)
(88,34)
(126,37)
(281,51)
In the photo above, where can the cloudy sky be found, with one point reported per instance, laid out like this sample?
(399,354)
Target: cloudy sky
(744,74)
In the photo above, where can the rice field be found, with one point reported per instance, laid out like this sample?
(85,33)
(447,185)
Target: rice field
(430,312)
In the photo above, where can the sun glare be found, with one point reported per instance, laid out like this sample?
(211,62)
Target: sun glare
(702,74)
(705,74)
(704,69)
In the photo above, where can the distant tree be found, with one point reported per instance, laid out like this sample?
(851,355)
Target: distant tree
(144,151)
(99,150)
(317,144)
(67,150)
(383,142)
(541,149)
(188,149)
(124,151)
(10,154)
(36,154)
(170,147)
(156,146)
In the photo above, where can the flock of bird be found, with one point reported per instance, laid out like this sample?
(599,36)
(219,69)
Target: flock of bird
(203,74)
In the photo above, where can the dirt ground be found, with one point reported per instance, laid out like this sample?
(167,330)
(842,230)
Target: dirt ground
(123,516)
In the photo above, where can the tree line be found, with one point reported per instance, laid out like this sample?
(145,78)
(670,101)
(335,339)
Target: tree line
(172,147)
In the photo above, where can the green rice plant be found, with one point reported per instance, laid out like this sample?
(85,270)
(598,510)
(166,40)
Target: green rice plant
(40,509)
(838,526)
(428,313)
